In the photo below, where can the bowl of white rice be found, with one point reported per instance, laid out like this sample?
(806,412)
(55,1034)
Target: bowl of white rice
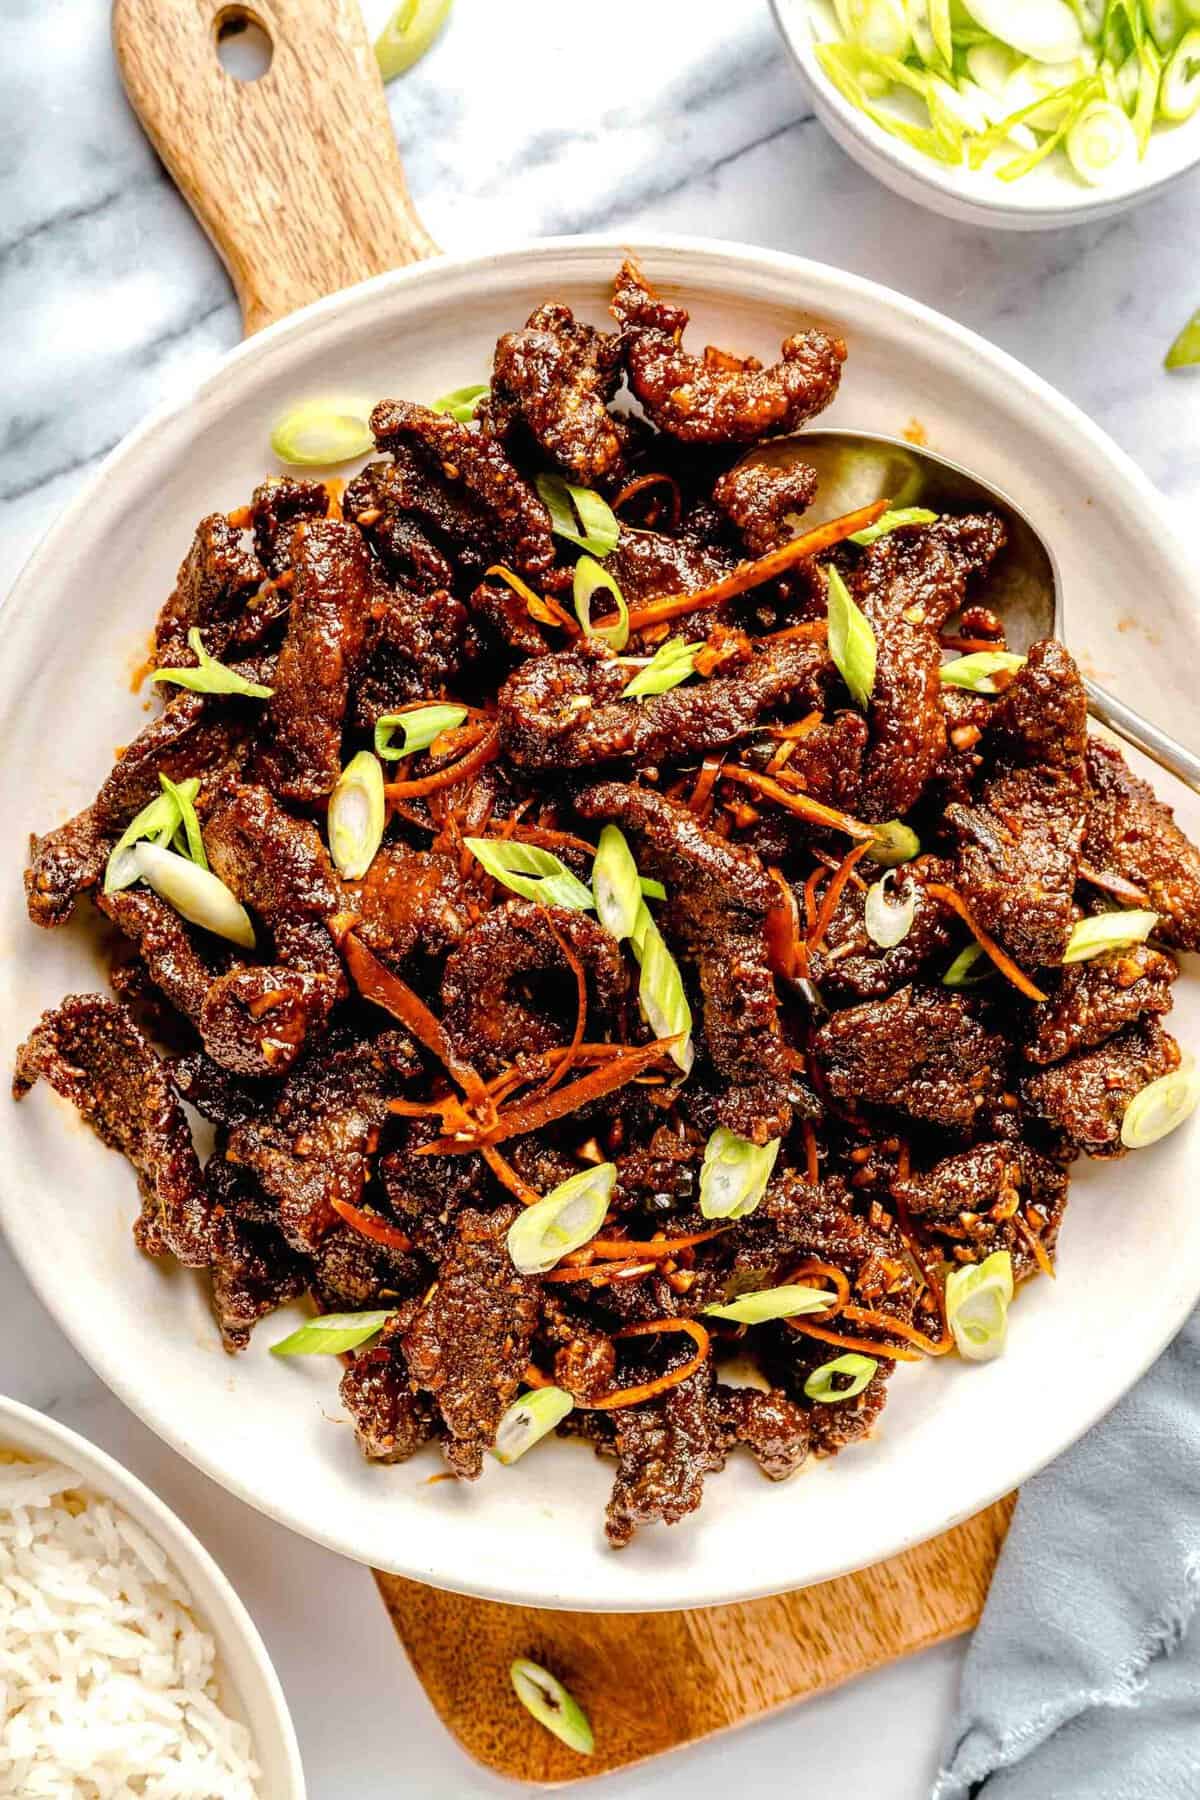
(128,1665)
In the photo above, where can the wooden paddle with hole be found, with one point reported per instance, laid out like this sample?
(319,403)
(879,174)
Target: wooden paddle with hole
(296,178)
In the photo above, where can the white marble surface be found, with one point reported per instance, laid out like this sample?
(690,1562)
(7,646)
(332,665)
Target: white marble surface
(639,114)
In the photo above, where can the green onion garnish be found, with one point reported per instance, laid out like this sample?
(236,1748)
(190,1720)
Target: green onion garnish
(1108,931)
(661,993)
(1179,93)
(578,514)
(734,1175)
(570,1215)
(977,672)
(961,970)
(160,819)
(195,893)
(210,676)
(590,579)
(651,889)
(552,1705)
(417,729)
(785,1302)
(894,843)
(977,1298)
(825,1385)
(892,521)
(462,403)
(332,1334)
(534,874)
(671,664)
(189,824)
(1102,143)
(320,434)
(1185,351)
(357,816)
(527,1421)
(615,884)
(887,920)
(409,33)
(1160,1107)
(851,641)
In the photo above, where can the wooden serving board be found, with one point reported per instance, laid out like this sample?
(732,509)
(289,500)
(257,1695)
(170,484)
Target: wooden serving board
(296,179)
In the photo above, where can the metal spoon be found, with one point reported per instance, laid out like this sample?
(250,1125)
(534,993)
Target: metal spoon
(856,467)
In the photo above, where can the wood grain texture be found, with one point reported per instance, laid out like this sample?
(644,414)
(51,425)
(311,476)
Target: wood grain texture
(295,177)
(655,1681)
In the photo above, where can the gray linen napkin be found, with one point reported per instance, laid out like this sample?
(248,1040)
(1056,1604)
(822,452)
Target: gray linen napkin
(1083,1679)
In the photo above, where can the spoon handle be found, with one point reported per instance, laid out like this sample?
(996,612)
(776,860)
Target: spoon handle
(1166,751)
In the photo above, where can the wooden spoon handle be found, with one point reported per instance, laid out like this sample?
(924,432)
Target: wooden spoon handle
(295,177)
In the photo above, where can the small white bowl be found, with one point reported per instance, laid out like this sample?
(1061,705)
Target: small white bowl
(250,1689)
(1048,197)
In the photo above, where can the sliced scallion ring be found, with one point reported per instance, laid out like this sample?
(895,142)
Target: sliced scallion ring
(734,1175)
(1108,931)
(616,885)
(888,921)
(417,729)
(357,816)
(409,33)
(570,1215)
(528,1420)
(977,1299)
(892,521)
(978,671)
(591,578)
(880,25)
(840,1379)
(662,996)
(189,824)
(1102,144)
(332,1334)
(210,676)
(159,819)
(319,434)
(462,403)
(196,894)
(851,641)
(533,873)
(894,843)
(1185,351)
(1179,90)
(1046,30)
(786,1302)
(671,664)
(579,514)
(1160,1107)
(552,1705)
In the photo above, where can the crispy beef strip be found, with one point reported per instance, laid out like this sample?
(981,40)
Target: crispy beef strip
(1131,832)
(763,501)
(1085,1096)
(920,1053)
(416,644)
(665,1448)
(1092,1000)
(256,1021)
(410,901)
(776,1431)
(196,734)
(851,967)
(253,1270)
(278,505)
(392,1418)
(63,864)
(92,1053)
(551,384)
(717,398)
(469,1343)
(968,1203)
(215,580)
(278,866)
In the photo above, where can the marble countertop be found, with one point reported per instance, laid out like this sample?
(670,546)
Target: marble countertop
(663,117)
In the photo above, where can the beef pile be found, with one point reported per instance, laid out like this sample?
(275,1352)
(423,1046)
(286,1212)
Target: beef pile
(921,1124)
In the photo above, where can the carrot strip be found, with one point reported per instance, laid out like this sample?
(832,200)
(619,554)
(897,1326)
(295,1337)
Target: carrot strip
(376,982)
(815,631)
(552,840)
(710,768)
(369,1226)
(830,1272)
(648,1390)
(812,1166)
(863,1315)
(534,1378)
(504,1172)
(639,486)
(971,644)
(810,903)
(802,804)
(531,1115)
(786,952)
(834,892)
(539,606)
(1001,958)
(485,751)
(599,1274)
(603,1248)
(1116,885)
(867,1346)
(753,574)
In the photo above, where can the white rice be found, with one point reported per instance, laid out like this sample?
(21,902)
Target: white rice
(107,1683)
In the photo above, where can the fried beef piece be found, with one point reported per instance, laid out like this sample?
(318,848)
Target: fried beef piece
(63,864)
(502,611)
(773,1428)
(969,1202)
(214,582)
(194,735)
(717,398)
(392,1418)
(508,988)
(853,968)
(762,501)
(92,1053)
(1085,1097)
(919,1052)
(168,951)
(278,866)
(829,761)
(469,1344)
(649,565)
(563,711)
(375,500)
(416,644)
(353,1273)
(253,1271)
(277,507)
(1019,847)
(216,1094)
(408,901)
(551,384)
(1095,999)
(665,1448)
(256,1021)
(1131,832)
(427,1193)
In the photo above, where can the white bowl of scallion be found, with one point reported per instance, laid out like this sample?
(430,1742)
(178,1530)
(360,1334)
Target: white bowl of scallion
(1021,114)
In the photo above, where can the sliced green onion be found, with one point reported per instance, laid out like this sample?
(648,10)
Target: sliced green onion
(552,1705)
(1046,30)
(210,676)
(1185,351)
(462,403)
(1102,144)
(939,29)
(855,1371)
(357,816)
(412,30)
(533,873)
(319,433)
(570,1215)
(196,894)
(616,885)
(590,579)
(961,970)
(189,824)
(651,889)
(161,818)
(1179,90)
(528,1420)
(851,641)
(992,66)
(661,994)
(880,25)
(1108,931)
(417,729)
(1160,1107)
(892,521)
(1162,17)
(332,1334)
(977,671)
(888,921)
(671,663)
(773,1303)
(894,843)
(734,1175)
(578,514)
(977,1299)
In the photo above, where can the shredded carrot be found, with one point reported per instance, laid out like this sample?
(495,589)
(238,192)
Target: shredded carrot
(782,753)
(1116,885)
(812,1166)
(1001,958)
(801,804)
(971,644)
(1040,1252)
(534,1378)
(710,768)
(648,1390)
(335,488)
(815,631)
(742,813)
(786,952)
(376,982)
(551,840)
(239,518)
(828,1272)
(486,750)
(369,1225)
(867,1346)
(504,1172)
(800,728)
(810,902)
(862,1315)
(640,485)
(604,1248)
(600,1274)
(531,1115)
(539,606)
(753,574)
(834,892)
